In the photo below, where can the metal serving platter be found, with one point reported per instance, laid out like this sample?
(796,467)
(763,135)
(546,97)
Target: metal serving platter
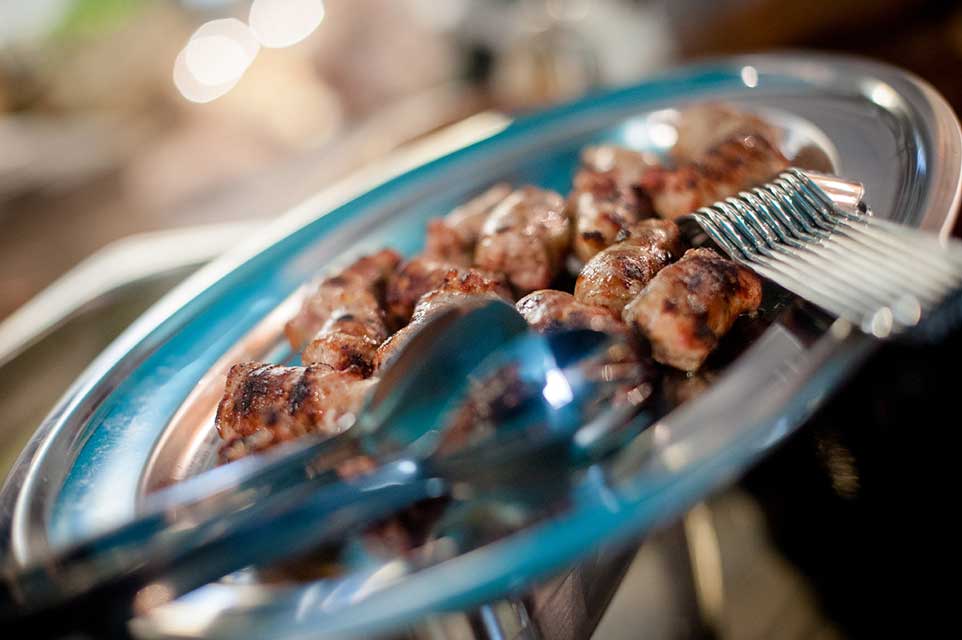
(139,417)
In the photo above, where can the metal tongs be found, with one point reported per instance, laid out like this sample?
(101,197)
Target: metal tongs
(812,234)
(266,508)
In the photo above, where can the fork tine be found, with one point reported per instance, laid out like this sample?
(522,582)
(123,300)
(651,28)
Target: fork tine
(872,272)
(899,266)
(920,246)
(829,300)
(740,213)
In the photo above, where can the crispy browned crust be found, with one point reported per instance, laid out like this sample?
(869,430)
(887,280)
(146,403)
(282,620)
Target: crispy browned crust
(691,304)
(423,274)
(343,352)
(526,237)
(354,291)
(452,238)
(266,404)
(549,310)
(617,274)
(738,163)
(465,288)
(349,339)
(415,278)
(604,199)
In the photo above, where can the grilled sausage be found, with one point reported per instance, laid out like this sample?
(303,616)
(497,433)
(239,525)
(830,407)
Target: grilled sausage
(738,163)
(526,237)
(690,305)
(457,289)
(353,292)
(616,275)
(266,404)
(604,200)
(452,239)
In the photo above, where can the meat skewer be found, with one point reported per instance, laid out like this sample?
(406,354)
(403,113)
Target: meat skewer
(691,304)
(616,275)
(354,292)
(605,200)
(452,239)
(266,404)
(736,164)
(526,237)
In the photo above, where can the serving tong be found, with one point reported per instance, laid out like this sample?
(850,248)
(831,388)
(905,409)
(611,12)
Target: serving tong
(812,234)
(285,503)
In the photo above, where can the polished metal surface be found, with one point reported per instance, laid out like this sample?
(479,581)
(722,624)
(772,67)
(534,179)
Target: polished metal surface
(880,276)
(99,450)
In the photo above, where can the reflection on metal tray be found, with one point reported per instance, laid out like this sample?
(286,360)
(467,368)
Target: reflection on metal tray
(112,434)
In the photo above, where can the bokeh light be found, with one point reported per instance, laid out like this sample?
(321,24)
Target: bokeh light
(282,23)
(214,59)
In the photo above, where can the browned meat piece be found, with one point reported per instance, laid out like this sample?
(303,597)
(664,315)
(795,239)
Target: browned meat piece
(734,165)
(691,304)
(415,278)
(342,352)
(423,274)
(604,199)
(266,404)
(526,237)
(616,275)
(703,126)
(457,289)
(550,310)
(350,337)
(355,291)
(452,238)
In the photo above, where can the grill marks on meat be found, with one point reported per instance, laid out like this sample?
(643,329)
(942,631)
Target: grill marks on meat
(347,343)
(691,304)
(736,164)
(458,288)
(605,200)
(617,274)
(526,237)
(353,293)
(266,404)
(422,274)
(549,310)
(452,239)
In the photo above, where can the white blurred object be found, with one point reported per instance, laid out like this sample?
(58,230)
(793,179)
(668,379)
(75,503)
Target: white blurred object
(214,59)
(192,88)
(220,51)
(282,23)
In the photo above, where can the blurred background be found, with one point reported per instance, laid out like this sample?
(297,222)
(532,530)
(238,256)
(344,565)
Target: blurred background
(138,138)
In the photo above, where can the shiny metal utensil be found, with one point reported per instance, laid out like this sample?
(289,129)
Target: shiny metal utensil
(434,364)
(303,514)
(812,234)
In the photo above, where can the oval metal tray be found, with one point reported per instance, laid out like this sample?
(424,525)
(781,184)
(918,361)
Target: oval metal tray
(139,417)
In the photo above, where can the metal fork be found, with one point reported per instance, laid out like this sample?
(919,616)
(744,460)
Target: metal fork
(812,234)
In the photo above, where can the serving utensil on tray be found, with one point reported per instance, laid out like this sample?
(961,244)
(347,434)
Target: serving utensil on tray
(812,234)
(281,505)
